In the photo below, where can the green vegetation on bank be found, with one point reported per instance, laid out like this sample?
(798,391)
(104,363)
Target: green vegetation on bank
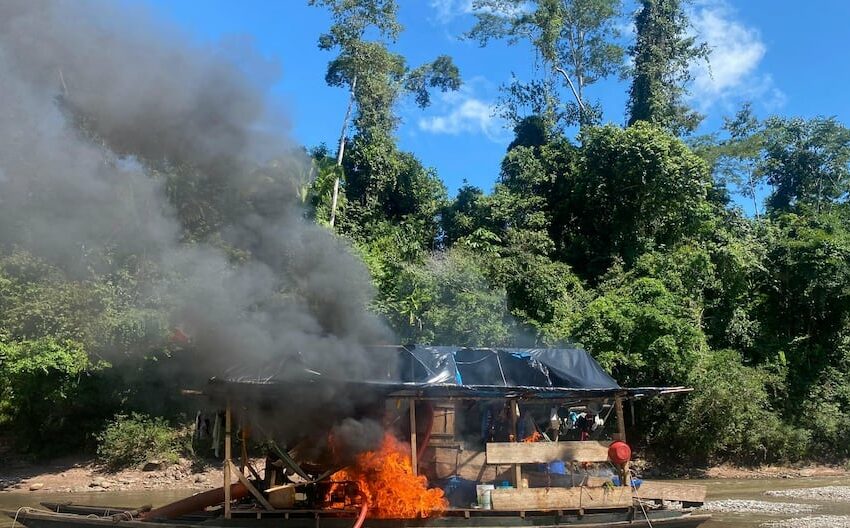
(136,439)
(624,240)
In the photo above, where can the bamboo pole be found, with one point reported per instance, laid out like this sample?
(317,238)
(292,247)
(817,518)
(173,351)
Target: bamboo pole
(227,462)
(413,450)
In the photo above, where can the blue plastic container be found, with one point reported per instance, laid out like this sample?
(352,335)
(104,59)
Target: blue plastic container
(557,468)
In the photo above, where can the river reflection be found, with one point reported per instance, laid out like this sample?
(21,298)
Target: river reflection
(748,489)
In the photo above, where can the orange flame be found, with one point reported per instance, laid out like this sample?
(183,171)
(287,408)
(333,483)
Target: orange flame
(533,437)
(386,480)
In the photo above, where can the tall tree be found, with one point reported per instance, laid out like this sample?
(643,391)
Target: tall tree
(734,158)
(350,22)
(740,154)
(375,76)
(662,54)
(807,162)
(576,40)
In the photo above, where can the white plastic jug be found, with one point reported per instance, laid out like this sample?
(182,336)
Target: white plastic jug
(484,497)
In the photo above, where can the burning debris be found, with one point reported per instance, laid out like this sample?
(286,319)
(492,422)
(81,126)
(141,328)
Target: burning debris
(391,489)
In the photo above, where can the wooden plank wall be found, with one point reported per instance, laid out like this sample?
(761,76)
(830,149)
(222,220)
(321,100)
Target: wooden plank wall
(547,499)
(440,462)
(544,452)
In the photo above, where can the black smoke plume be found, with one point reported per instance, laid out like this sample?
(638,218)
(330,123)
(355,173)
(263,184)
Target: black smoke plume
(106,117)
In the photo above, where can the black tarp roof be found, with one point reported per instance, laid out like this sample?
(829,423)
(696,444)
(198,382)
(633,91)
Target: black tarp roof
(505,367)
(426,371)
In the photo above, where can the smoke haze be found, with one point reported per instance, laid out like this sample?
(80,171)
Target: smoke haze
(106,117)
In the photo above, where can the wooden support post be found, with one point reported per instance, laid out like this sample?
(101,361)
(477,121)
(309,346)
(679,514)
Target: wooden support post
(626,477)
(621,421)
(514,413)
(516,468)
(243,441)
(227,463)
(413,448)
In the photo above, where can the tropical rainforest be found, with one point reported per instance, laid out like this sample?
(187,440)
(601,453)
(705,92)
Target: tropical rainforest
(630,241)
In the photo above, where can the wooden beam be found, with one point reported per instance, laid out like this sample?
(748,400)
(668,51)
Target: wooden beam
(650,490)
(413,454)
(227,464)
(549,499)
(254,491)
(545,452)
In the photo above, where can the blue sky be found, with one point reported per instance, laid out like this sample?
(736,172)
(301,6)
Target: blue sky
(784,56)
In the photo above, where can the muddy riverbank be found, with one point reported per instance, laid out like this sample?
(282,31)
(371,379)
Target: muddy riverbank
(74,475)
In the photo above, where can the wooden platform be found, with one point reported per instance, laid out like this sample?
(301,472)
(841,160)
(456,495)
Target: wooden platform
(671,491)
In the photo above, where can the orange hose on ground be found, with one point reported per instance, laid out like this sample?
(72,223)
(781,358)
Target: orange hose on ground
(362,516)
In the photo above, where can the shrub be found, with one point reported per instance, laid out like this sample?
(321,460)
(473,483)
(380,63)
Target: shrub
(137,438)
(729,416)
(825,413)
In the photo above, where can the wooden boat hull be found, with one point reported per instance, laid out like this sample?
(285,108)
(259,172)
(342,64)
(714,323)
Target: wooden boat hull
(32,518)
(108,511)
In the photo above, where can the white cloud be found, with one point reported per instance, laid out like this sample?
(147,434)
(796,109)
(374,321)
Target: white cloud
(463,113)
(736,53)
(449,9)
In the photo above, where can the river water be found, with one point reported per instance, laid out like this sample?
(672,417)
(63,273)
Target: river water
(718,490)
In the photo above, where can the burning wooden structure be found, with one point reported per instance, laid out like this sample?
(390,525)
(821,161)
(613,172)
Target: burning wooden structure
(468,437)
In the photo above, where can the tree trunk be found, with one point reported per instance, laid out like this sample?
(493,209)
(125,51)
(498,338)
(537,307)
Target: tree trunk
(341,150)
(581,109)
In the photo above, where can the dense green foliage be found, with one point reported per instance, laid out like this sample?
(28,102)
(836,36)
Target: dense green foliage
(47,393)
(623,240)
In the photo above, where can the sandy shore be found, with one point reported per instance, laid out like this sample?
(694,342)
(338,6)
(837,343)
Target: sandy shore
(77,475)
